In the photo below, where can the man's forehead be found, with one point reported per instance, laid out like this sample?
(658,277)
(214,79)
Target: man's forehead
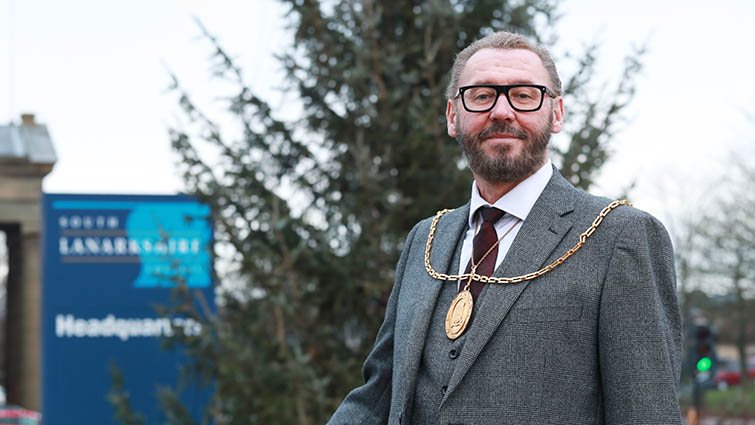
(520,65)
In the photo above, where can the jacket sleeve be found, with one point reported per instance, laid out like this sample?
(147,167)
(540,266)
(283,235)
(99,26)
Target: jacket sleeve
(370,403)
(640,328)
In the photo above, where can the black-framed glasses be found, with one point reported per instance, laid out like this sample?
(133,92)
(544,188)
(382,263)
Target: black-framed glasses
(521,97)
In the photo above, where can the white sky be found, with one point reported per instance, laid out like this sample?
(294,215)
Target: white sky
(95,72)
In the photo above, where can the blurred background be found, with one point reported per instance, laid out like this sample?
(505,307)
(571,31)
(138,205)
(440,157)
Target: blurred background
(315,131)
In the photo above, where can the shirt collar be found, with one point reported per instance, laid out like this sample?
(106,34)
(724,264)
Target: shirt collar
(519,200)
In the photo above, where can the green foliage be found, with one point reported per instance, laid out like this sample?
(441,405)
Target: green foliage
(735,402)
(311,216)
(174,410)
(590,122)
(120,398)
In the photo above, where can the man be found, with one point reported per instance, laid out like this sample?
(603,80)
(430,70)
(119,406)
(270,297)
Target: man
(594,340)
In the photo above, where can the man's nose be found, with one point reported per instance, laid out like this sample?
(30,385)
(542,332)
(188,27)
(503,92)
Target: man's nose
(502,110)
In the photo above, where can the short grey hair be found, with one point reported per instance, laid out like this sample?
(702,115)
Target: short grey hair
(506,41)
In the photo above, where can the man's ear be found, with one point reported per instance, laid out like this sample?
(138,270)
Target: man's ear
(451,118)
(558,115)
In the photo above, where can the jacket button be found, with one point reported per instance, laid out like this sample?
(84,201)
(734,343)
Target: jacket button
(453,354)
(444,388)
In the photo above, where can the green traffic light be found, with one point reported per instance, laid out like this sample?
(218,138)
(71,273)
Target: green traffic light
(704,364)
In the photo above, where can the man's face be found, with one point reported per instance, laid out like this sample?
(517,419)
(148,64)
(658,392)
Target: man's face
(504,145)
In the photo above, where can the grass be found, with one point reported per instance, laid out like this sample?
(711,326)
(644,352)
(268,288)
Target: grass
(737,401)
(734,402)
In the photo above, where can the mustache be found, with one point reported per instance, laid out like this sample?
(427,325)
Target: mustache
(501,128)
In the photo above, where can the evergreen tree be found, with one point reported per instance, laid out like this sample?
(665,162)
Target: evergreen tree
(311,215)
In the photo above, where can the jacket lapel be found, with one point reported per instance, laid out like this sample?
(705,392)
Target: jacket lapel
(542,231)
(423,290)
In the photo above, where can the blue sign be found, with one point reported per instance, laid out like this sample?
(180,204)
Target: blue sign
(108,260)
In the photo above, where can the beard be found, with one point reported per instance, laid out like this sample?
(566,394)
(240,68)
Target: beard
(499,168)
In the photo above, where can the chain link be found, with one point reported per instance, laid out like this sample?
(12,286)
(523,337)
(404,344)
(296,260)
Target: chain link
(517,279)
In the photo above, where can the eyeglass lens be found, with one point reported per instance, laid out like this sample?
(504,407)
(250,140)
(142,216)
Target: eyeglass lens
(520,97)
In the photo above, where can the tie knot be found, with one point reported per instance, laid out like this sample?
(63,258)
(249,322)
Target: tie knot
(490,214)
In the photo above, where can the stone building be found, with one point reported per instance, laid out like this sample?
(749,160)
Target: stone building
(26,157)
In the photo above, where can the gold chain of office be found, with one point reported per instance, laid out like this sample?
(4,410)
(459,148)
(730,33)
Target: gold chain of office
(517,279)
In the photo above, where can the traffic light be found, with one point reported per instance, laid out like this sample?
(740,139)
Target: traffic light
(705,353)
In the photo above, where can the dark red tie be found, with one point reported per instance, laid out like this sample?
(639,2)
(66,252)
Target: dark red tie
(483,240)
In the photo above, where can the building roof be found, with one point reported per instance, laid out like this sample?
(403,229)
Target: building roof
(29,142)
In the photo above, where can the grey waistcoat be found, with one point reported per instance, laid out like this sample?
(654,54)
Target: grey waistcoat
(437,363)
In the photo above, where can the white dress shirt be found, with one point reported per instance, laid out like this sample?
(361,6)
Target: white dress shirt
(516,203)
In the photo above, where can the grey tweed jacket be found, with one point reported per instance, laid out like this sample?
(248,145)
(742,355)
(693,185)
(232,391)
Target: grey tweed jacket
(595,341)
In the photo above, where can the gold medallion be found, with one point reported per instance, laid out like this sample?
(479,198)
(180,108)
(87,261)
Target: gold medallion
(459,314)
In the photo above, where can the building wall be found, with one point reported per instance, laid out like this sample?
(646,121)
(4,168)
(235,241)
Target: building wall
(20,195)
